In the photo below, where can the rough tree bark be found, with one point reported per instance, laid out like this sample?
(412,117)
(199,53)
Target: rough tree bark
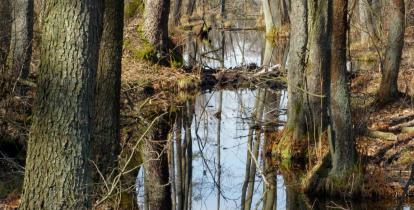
(20,53)
(317,68)
(157,186)
(57,175)
(156,25)
(106,131)
(342,142)
(395,43)
(296,123)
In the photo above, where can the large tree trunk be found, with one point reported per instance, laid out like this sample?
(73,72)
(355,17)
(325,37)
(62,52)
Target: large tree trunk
(296,123)
(57,175)
(157,186)
(19,56)
(156,25)
(317,69)
(5,27)
(342,140)
(395,43)
(106,130)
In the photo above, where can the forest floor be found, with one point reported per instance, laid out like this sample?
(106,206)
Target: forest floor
(386,142)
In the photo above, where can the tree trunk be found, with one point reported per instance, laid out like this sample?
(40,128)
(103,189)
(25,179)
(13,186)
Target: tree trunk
(5,29)
(317,69)
(156,25)
(157,186)
(342,140)
(20,53)
(296,123)
(57,175)
(275,14)
(190,7)
(368,20)
(177,12)
(395,43)
(106,131)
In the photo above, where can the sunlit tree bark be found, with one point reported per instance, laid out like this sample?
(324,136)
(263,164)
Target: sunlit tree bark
(395,43)
(57,175)
(296,123)
(156,25)
(342,142)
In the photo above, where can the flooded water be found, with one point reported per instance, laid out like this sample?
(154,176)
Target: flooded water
(221,137)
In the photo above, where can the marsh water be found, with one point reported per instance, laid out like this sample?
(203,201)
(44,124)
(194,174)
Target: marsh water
(221,137)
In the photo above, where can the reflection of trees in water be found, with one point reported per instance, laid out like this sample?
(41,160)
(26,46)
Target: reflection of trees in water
(240,47)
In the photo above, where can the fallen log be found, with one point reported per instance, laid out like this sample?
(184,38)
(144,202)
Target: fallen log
(402,125)
(407,130)
(382,135)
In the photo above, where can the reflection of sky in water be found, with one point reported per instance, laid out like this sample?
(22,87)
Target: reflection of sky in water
(236,111)
(237,108)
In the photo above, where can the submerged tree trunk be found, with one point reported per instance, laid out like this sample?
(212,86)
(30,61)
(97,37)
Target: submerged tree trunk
(178,163)
(218,168)
(106,131)
(157,186)
(5,28)
(57,175)
(20,53)
(255,150)
(342,142)
(156,25)
(395,43)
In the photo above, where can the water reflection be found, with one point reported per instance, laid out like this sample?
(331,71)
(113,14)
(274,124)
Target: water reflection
(219,150)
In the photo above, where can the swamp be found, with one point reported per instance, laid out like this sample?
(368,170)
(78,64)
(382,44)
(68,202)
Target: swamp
(195,104)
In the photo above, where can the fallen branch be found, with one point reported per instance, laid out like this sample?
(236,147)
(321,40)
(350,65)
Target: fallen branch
(407,130)
(382,135)
(402,125)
